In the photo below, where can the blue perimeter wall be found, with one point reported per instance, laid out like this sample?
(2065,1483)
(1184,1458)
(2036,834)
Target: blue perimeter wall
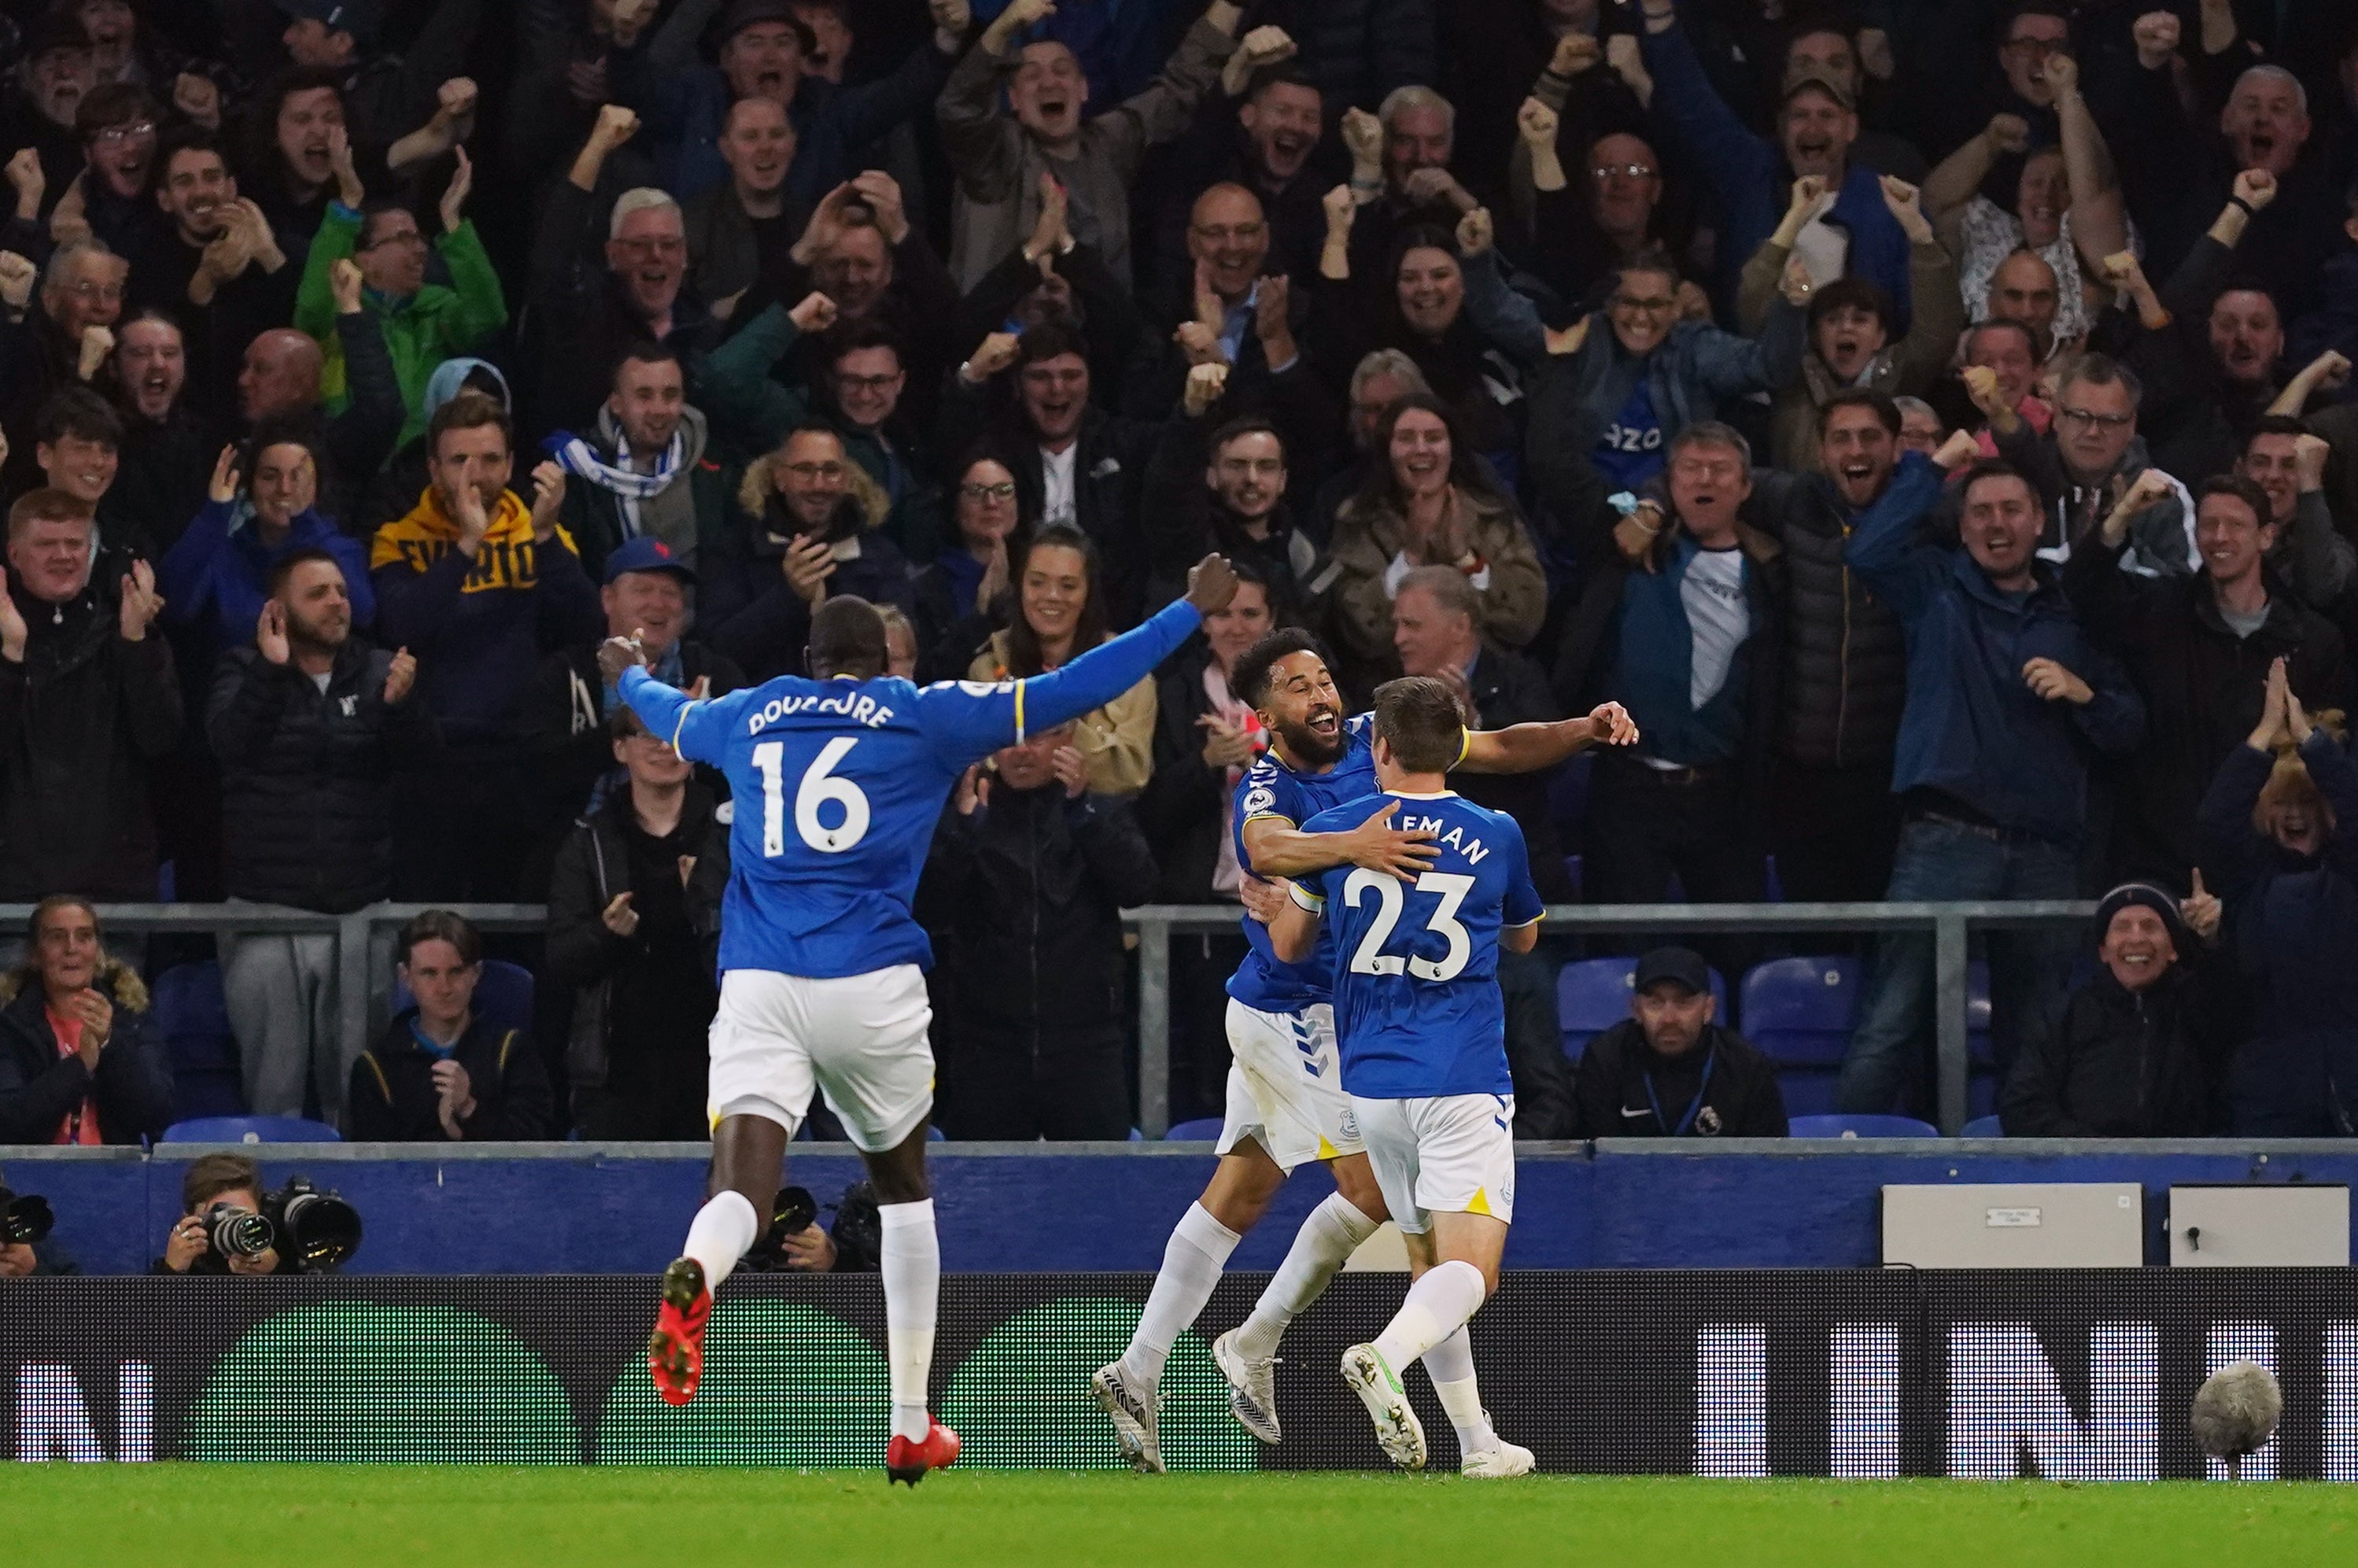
(1620,1204)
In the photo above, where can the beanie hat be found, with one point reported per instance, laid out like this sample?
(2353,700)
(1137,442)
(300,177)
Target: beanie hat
(2153,898)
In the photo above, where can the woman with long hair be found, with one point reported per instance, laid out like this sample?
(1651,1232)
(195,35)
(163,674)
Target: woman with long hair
(963,596)
(1060,613)
(80,1059)
(1427,503)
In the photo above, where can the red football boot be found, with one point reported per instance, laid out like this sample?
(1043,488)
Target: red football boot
(676,1349)
(906,1460)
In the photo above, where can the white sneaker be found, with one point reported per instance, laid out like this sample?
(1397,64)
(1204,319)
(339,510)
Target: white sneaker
(1499,1462)
(1397,1432)
(1252,1388)
(1135,1419)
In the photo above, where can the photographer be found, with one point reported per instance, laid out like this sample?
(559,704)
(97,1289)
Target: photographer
(440,1072)
(228,1181)
(25,1246)
(796,1243)
(81,1059)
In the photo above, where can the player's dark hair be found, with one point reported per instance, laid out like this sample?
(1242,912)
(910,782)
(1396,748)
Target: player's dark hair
(847,638)
(1421,720)
(1249,681)
(1024,657)
(441,925)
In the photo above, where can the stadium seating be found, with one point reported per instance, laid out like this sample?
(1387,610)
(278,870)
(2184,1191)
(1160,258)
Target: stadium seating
(249,1129)
(1203,1130)
(1984,1127)
(503,997)
(1592,995)
(1800,1012)
(194,1021)
(1840,1126)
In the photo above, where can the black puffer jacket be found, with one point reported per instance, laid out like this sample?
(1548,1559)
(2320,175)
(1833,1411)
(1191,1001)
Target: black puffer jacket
(1846,677)
(305,776)
(2127,1064)
(1625,1088)
(39,1088)
(81,720)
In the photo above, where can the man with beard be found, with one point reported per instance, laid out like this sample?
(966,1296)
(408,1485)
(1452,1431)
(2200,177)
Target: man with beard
(311,725)
(423,323)
(2087,458)
(646,595)
(214,263)
(816,535)
(2201,648)
(1856,236)
(1286,1105)
(1074,463)
(2312,556)
(999,158)
(167,447)
(585,312)
(88,701)
(1224,489)
(53,75)
(764,45)
(740,231)
(481,585)
(1265,146)
(1670,1070)
(62,343)
(644,471)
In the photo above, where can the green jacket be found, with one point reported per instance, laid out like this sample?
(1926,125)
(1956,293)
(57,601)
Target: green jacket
(433,325)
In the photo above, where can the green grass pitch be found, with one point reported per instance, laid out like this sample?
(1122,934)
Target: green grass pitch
(269,1517)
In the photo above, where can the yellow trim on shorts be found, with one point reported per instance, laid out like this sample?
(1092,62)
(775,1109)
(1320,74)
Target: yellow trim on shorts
(1327,1150)
(1481,1203)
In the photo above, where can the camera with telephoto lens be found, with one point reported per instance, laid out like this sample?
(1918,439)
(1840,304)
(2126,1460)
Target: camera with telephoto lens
(24,1220)
(319,1232)
(234,1232)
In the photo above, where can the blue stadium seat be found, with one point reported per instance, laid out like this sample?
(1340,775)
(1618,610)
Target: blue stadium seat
(249,1129)
(1592,995)
(194,1021)
(1203,1130)
(503,997)
(1572,869)
(1775,890)
(1861,1127)
(1977,1012)
(1984,1127)
(1568,796)
(1800,1012)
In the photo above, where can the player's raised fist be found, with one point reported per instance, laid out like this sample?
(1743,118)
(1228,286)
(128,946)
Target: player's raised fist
(1211,583)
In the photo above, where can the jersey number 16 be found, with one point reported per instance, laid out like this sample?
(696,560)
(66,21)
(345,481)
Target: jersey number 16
(820,787)
(1372,959)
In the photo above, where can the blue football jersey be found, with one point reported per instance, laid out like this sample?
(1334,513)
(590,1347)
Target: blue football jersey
(837,786)
(1417,1010)
(1263,982)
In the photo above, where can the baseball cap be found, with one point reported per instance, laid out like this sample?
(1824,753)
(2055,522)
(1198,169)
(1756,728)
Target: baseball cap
(1806,76)
(358,17)
(1683,966)
(646,554)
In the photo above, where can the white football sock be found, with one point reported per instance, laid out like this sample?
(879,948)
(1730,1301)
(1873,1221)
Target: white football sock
(913,1279)
(1450,1364)
(723,1229)
(1331,1234)
(1197,1251)
(1440,1301)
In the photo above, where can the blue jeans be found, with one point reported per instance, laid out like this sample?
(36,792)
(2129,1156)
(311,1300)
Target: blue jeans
(1891,1053)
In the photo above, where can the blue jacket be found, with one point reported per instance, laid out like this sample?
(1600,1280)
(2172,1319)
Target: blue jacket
(1653,666)
(1747,171)
(2292,923)
(220,568)
(1972,729)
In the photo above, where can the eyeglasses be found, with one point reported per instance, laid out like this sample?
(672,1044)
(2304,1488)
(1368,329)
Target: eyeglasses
(1605,171)
(116,136)
(2089,417)
(658,244)
(405,237)
(1003,491)
(1652,306)
(816,471)
(867,382)
(104,292)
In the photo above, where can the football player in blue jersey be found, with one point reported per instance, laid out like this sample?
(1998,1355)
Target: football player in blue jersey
(1423,1033)
(838,780)
(1286,1103)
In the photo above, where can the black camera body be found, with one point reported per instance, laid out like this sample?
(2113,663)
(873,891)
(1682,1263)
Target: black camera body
(24,1220)
(314,1232)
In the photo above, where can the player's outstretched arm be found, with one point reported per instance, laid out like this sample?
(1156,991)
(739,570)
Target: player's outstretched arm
(1278,848)
(1294,934)
(664,709)
(1527,748)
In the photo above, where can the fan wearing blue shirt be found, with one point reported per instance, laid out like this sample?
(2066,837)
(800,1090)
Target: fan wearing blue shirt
(1422,1032)
(838,780)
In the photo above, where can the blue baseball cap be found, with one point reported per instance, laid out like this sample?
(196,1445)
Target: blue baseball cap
(646,554)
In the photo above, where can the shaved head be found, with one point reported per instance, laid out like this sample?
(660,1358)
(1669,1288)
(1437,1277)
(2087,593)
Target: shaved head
(281,372)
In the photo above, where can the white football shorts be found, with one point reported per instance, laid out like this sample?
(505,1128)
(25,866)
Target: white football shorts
(1285,1085)
(861,1039)
(1452,1155)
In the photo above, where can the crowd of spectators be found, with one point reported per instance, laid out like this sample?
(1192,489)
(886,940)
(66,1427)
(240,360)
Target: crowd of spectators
(1933,422)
